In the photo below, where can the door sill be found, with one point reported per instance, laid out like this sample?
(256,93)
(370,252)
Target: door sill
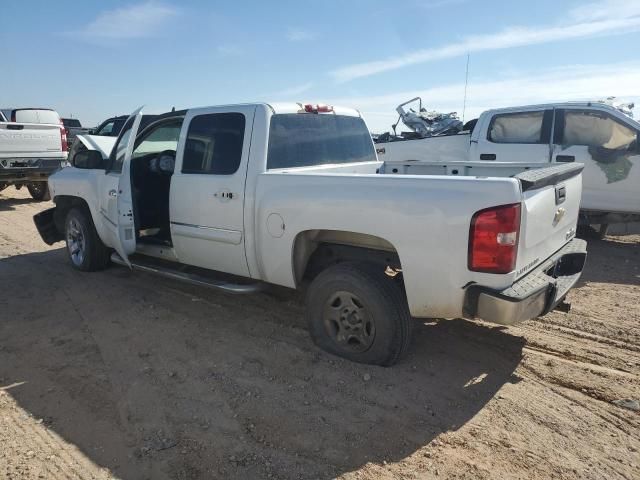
(191,275)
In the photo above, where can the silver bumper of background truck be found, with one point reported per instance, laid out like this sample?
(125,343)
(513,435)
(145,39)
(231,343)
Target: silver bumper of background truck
(28,169)
(535,294)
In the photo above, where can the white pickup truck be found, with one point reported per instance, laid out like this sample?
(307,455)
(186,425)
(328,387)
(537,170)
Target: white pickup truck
(506,141)
(237,197)
(33,145)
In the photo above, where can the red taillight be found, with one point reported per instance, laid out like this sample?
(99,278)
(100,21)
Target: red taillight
(493,239)
(63,137)
(309,108)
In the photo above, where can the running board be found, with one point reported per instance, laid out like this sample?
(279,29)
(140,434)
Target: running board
(191,278)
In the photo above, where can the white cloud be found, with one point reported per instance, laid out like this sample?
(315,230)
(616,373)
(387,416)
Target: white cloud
(605,9)
(577,82)
(586,23)
(299,35)
(135,21)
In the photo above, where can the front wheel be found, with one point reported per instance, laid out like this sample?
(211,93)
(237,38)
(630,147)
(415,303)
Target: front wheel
(39,190)
(85,249)
(357,312)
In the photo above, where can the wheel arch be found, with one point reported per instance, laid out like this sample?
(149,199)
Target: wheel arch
(315,250)
(64,203)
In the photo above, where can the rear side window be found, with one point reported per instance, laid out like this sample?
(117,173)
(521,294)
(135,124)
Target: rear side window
(214,144)
(521,127)
(595,129)
(301,140)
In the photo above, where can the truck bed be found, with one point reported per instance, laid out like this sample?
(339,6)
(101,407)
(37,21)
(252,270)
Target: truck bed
(425,214)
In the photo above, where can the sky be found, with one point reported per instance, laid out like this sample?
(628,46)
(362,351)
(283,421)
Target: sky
(92,60)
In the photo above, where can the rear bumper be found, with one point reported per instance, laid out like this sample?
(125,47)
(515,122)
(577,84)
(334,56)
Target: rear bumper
(28,169)
(536,294)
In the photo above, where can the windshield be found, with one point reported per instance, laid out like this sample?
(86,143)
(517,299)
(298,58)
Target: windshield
(34,115)
(301,140)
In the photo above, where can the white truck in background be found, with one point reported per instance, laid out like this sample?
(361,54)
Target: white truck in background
(509,140)
(237,197)
(33,145)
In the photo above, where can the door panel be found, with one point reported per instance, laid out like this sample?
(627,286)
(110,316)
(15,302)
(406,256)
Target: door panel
(605,145)
(522,136)
(207,189)
(116,205)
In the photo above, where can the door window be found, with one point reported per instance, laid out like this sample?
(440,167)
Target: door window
(214,144)
(159,138)
(106,129)
(521,127)
(595,129)
(120,149)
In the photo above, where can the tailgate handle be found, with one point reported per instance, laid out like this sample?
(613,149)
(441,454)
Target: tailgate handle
(565,158)
(561,194)
(487,156)
(14,127)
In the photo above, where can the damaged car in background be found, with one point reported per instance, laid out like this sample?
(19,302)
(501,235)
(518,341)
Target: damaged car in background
(602,135)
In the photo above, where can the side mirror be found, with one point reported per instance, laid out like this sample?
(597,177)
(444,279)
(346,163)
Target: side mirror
(88,159)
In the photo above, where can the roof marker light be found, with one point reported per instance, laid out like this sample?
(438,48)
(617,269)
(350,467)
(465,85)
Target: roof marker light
(320,108)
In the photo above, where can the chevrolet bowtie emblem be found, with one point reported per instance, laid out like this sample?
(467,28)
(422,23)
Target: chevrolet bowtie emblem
(558,216)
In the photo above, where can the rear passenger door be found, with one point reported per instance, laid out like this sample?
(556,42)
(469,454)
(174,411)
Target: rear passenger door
(522,137)
(208,189)
(608,148)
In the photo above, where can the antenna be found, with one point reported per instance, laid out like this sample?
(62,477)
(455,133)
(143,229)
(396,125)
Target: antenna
(466,82)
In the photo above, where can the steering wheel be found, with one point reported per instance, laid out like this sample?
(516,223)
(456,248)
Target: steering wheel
(164,162)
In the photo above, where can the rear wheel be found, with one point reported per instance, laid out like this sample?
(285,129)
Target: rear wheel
(38,190)
(85,249)
(357,312)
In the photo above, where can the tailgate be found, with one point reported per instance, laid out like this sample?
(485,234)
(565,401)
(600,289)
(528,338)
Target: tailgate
(29,138)
(550,208)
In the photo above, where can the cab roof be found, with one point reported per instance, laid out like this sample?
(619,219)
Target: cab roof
(299,107)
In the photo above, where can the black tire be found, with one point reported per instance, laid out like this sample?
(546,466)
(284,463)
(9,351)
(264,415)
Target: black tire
(85,250)
(39,190)
(357,312)
(3,185)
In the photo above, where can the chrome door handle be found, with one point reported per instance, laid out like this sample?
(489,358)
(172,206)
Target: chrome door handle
(224,195)
(113,193)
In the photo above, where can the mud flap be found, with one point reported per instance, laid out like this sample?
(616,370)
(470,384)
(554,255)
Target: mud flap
(47,227)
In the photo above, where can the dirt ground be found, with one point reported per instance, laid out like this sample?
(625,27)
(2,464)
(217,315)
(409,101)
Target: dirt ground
(119,375)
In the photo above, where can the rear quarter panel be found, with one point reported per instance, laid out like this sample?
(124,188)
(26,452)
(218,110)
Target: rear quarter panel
(425,219)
